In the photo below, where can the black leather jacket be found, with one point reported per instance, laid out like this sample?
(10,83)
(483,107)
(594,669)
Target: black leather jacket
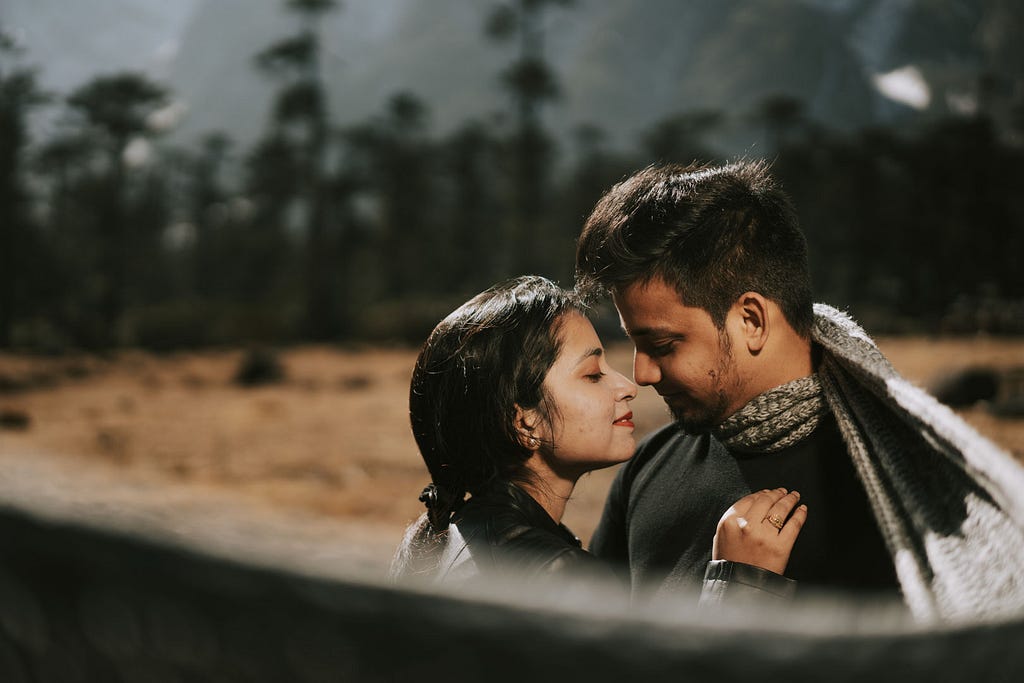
(505,532)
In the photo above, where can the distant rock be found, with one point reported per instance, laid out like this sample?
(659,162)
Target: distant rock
(259,366)
(14,418)
(965,387)
(1008,408)
(354,382)
(27,381)
(1010,401)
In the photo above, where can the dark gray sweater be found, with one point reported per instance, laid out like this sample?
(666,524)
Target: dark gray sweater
(665,504)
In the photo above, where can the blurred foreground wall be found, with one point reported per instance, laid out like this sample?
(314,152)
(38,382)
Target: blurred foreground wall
(83,603)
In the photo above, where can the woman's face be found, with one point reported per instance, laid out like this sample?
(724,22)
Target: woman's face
(591,425)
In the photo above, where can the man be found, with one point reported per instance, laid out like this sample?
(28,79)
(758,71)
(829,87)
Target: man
(708,270)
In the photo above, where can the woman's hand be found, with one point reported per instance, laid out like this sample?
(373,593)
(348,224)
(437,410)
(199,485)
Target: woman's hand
(759,530)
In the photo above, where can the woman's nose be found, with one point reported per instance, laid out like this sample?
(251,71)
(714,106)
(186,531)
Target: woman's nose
(627,389)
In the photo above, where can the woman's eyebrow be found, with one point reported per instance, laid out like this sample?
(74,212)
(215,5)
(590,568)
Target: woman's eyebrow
(595,351)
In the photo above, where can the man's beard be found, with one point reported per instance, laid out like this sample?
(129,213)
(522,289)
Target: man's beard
(702,419)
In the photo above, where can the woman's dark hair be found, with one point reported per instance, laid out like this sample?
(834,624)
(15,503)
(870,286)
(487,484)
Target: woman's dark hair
(486,358)
(711,233)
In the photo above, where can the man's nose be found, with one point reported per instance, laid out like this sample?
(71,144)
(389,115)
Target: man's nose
(645,371)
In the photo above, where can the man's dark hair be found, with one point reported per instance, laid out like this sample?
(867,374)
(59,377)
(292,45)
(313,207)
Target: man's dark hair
(712,233)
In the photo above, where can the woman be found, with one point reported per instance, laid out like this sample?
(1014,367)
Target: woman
(512,400)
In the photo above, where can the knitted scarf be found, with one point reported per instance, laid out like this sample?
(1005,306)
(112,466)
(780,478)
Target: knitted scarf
(950,503)
(776,419)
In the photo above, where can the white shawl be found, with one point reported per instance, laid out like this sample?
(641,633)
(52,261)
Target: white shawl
(949,502)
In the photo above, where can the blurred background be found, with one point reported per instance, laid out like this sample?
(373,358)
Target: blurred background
(226,224)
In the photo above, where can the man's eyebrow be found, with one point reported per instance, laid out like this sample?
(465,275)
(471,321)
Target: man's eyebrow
(650,332)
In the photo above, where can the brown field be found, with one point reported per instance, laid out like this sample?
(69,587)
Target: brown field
(322,464)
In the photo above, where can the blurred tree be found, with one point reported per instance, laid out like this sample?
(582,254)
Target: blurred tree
(19,95)
(840,197)
(301,121)
(114,111)
(257,249)
(966,224)
(680,138)
(382,212)
(208,214)
(150,275)
(1001,88)
(531,82)
(397,162)
(68,185)
(595,169)
(781,116)
(903,226)
(470,162)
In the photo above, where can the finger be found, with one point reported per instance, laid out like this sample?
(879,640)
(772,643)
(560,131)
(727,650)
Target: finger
(742,506)
(783,506)
(796,522)
(759,510)
(753,502)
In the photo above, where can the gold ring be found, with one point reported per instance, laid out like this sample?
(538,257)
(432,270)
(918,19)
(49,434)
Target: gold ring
(775,522)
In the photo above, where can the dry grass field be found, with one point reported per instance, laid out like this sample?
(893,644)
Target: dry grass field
(323,459)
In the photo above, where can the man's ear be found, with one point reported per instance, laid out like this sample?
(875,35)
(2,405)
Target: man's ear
(751,309)
(526,423)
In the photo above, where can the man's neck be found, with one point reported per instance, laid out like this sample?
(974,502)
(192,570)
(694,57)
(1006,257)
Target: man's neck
(785,360)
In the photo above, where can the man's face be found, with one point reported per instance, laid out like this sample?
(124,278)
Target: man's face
(681,353)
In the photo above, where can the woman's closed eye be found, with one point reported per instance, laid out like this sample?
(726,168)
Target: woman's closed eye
(594,377)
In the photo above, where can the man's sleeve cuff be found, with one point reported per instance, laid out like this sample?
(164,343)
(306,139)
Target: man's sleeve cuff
(730,581)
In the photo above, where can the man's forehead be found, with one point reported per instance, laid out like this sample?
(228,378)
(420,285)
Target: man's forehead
(645,296)
(646,286)
(654,308)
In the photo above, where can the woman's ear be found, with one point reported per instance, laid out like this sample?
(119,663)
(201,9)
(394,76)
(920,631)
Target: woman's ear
(527,422)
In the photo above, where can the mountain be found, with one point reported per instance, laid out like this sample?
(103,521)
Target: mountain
(74,41)
(623,65)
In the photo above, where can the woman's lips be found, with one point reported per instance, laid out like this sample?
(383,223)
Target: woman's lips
(624,421)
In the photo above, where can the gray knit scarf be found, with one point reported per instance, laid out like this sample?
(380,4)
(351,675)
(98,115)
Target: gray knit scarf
(950,503)
(776,419)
